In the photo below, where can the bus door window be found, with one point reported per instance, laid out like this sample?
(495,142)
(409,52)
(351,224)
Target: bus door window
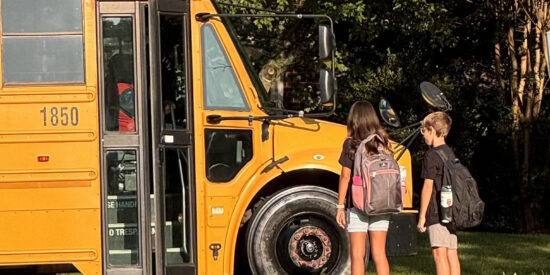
(177,212)
(118,58)
(174,98)
(122,208)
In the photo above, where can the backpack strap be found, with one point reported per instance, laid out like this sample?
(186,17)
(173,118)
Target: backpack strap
(359,153)
(357,161)
(372,136)
(442,155)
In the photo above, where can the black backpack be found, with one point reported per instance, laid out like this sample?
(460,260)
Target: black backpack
(467,206)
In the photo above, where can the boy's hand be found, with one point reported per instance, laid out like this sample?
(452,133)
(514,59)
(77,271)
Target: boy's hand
(341,217)
(420,225)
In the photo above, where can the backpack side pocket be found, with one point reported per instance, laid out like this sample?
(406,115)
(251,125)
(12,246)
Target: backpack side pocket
(357,193)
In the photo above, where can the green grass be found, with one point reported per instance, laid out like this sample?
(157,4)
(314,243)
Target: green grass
(482,253)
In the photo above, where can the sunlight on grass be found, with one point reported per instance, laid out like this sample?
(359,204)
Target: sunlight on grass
(482,253)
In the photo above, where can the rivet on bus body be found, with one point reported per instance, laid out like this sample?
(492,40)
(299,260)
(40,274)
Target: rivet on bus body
(318,157)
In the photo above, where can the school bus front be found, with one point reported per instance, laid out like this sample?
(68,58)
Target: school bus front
(134,141)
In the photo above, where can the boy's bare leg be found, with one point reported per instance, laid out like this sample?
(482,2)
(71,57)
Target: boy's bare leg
(378,249)
(441,260)
(454,264)
(357,251)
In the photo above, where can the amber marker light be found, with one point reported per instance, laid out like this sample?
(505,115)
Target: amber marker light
(43,158)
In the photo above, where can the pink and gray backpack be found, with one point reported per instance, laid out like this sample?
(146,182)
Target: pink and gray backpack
(376,187)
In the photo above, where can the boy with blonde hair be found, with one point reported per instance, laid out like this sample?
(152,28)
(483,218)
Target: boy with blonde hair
(443,240)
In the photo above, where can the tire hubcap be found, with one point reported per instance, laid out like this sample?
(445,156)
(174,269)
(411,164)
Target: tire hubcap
(309,247)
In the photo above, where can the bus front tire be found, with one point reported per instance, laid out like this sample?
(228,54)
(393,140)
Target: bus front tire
(295,232)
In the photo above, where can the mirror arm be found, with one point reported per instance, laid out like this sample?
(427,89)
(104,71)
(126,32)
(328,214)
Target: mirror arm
(449,107)
(203,17)
(215,119)
(410,138)
(410,126)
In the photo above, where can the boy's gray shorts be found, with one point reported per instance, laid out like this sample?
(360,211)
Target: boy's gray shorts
(361,222)
(441,237)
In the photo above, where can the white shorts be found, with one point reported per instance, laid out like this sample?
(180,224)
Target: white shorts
(361,222)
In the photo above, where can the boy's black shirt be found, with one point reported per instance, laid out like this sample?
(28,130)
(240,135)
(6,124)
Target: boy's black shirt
(432,168)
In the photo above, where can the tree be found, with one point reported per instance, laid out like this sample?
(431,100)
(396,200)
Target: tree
(520,65)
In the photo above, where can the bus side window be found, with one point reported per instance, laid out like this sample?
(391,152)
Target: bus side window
(42,41)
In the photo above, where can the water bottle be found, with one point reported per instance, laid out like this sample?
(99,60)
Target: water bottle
(446,204)
(403,181)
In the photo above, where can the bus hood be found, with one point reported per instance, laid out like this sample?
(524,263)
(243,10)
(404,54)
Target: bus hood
(308,143)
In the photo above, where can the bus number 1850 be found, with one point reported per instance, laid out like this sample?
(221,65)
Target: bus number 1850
(64,116)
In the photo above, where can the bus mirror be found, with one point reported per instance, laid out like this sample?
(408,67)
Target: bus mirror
(388,114)
(327,86)
(325,42)
(434,96)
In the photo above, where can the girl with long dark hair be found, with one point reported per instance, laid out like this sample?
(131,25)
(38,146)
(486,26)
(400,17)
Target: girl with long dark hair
(362,122)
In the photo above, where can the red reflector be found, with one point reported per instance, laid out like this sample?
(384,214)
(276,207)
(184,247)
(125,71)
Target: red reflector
(43,158)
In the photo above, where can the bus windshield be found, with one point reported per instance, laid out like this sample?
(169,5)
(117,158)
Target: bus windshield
(281,57)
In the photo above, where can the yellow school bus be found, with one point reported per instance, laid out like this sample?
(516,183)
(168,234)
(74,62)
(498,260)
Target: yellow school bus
(134,141)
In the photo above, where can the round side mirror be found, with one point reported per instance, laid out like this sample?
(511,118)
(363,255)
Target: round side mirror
(388,114)
(434,96)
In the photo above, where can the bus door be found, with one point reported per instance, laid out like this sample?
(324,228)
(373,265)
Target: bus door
(172,150)
(147,188)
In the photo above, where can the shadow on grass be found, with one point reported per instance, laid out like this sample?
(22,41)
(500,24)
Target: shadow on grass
(482,253)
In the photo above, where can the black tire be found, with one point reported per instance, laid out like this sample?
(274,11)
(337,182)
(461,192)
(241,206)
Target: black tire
(295,232)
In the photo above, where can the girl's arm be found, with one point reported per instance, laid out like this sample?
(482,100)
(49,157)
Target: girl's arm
(343,184)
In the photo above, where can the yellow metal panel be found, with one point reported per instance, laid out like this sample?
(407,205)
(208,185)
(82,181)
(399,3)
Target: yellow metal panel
(251,188)
(50,211)
(46,97)
(305,138)
(50,136)
(19,177)
(219,211)
(405,161)
(63,155)
(197,7)
(215,266)
(50,236)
